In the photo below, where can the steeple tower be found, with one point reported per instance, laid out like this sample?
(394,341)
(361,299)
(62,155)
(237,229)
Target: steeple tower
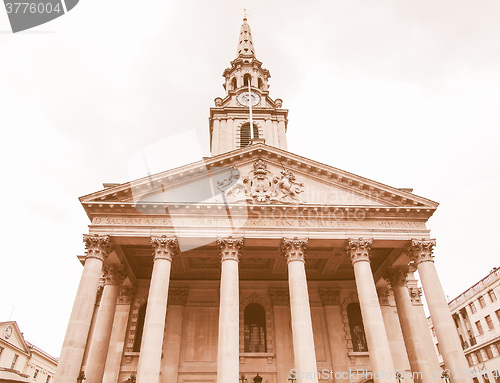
(245,46)
(246,85)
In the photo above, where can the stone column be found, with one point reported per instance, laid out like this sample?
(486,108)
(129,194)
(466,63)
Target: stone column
(94,369)
(449,343)
(228,352)
(223,136)
(423,327)
(216,136)
(177,298)
(70,361)
(393,330)
(118,336)
(92,323)
(283,337)
(303,339)
(148,369)
(415,348)
(282,134)
(269,135)
(336,336)
(376,336)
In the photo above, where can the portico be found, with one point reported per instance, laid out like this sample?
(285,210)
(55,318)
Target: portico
(254,261)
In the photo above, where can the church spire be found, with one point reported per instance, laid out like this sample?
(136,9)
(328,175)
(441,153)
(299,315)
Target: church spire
(247,114)
(245,44)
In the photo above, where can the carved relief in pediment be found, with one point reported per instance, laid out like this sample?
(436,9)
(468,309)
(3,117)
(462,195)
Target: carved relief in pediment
(261,186)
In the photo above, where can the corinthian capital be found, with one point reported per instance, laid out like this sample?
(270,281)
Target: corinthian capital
(279,296)
(164,247)
(294,249)
(114,275)
(178,296)
(359,249)
(396,275)
(125,295)
(421,250)
(97,246)
(230,248)
(415,295)
(330,297)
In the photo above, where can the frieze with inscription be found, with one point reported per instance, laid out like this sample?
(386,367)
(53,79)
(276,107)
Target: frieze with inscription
(278,223)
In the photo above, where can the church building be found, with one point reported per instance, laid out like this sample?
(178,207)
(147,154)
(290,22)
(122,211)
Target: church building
(257,265)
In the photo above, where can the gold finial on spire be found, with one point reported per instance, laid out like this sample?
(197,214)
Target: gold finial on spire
(244,14)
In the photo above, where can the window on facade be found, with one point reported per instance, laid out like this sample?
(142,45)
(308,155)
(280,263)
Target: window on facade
(498,314)
(139,328)
(489,352)
(48,379)
(486,379)
(492,296)
(247,79)
(457,321)
(255,328)
(14,360)
(245,134)
(475,380)
(489,322)
(233,83)
(479,327)
(1,350)
(482,302)
(472,307)
(357,329)
(485,354)
(496,375)
(469,360)
(261,83)
(497,345)
(479,357)
(35,374)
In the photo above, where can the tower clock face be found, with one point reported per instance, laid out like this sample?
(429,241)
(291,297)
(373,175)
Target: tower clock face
(246,98)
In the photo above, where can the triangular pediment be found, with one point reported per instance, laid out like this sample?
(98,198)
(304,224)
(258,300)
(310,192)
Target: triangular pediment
(10,333)
(260,175)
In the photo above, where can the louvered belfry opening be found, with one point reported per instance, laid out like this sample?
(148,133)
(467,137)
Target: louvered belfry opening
(245,134)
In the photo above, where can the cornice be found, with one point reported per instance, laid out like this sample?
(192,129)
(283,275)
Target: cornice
(392,196)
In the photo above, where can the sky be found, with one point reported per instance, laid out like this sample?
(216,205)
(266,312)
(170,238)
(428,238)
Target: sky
(404,93)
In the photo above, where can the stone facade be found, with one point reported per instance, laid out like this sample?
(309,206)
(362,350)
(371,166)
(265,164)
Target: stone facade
(253,264)
(21,361)
(476,313)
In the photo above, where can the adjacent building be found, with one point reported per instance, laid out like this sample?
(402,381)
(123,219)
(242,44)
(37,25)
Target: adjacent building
(476,314)
(21,361)
(256,264)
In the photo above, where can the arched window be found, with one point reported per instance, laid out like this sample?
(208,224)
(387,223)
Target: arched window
(356,327)
(255,328)
(139,328)
(246,79)
(245,134)
(261,83)
(233,83)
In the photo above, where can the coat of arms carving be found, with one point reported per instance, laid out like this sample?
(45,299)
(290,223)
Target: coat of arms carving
(261,186)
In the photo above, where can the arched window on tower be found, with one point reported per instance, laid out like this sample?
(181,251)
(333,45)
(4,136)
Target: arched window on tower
(255,328)
(245,134)
(261,84)
(357,329)
(139,328)
(233,83)
(247,78)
